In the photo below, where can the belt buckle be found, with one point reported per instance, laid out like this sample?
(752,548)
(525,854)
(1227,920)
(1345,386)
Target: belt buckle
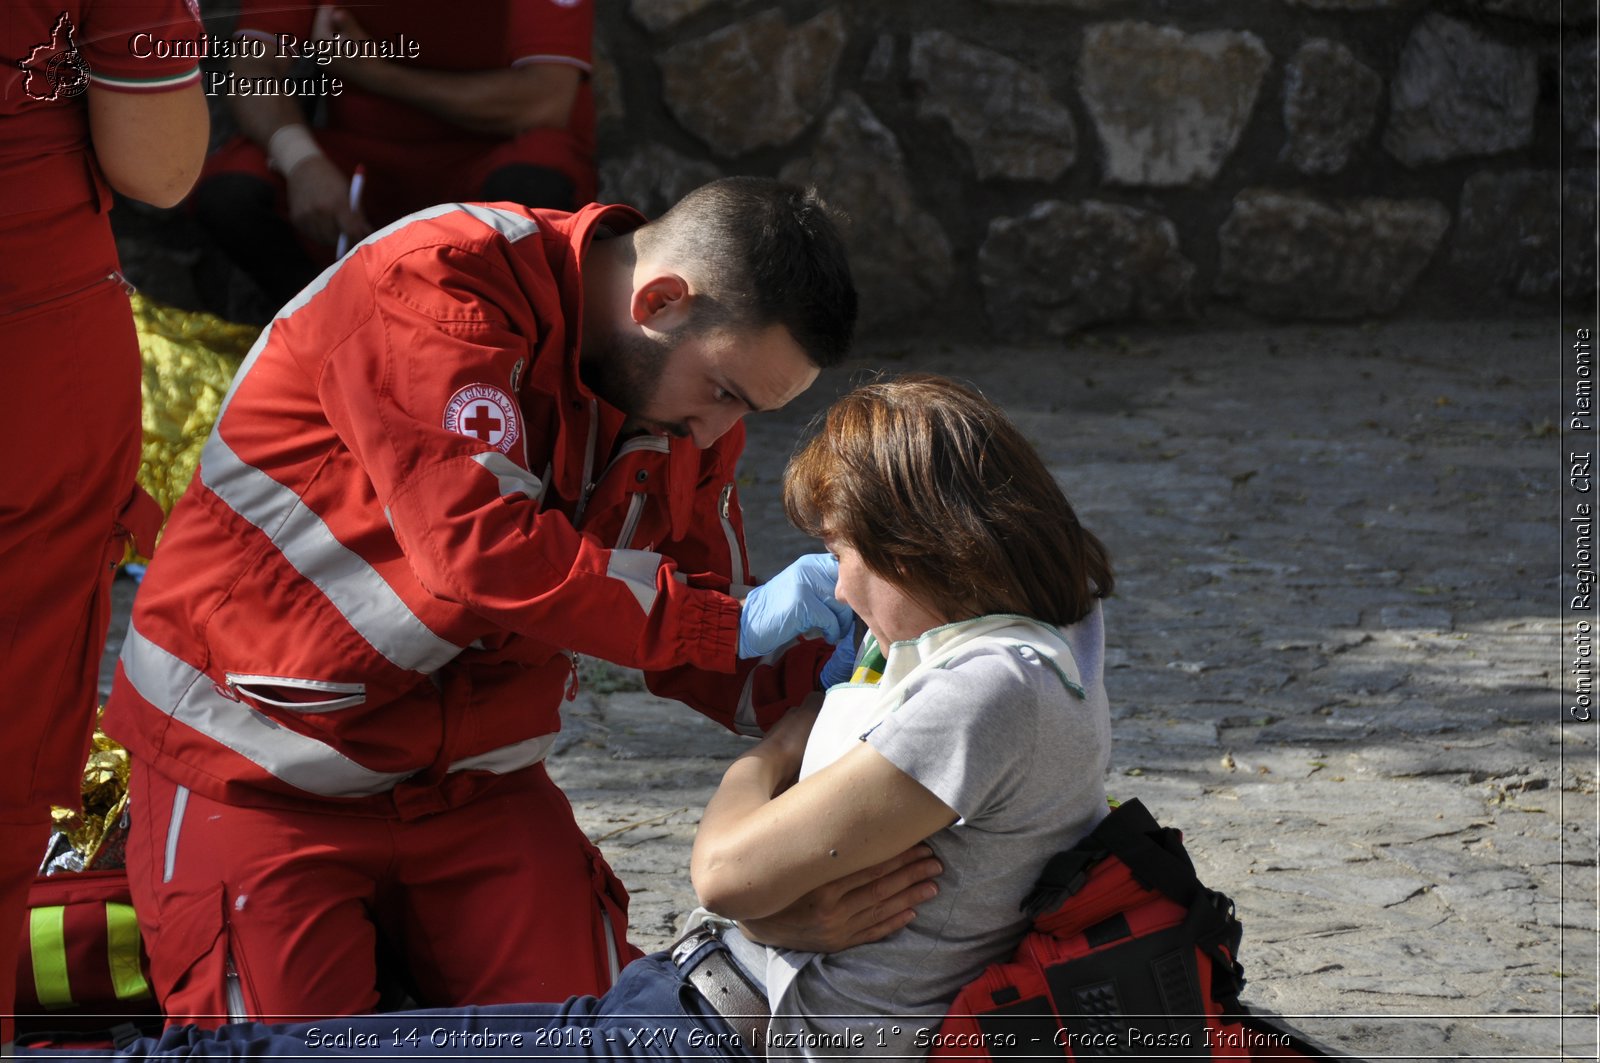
(684,947)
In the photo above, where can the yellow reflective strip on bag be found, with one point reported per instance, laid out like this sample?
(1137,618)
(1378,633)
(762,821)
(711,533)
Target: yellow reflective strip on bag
(122,948)
(47,939)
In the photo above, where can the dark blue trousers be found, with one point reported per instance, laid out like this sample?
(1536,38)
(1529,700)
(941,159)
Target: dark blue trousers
(651,1013)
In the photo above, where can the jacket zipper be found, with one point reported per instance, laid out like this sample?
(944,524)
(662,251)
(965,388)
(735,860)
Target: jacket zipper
(339,695)
(115,276)
(631,523)
(725,511)
(233,988)
(590,481)
(656,443)
(588,463)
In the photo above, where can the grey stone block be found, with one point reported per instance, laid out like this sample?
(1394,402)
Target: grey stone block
(1459,93)
(757,83)
(1330,103)
(1287,254)
(1177,128)
(1062,266)
(900,255)
(1001,110)
(1508,236)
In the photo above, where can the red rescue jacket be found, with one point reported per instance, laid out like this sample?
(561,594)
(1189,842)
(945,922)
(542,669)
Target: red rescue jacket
(409,519)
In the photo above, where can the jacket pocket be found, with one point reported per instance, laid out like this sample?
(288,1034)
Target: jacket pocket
(193,962)
(296,695)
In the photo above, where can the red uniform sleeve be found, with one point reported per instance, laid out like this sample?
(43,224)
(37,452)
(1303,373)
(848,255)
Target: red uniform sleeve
(761,691)
(551,31)
(127,44)
(440,321)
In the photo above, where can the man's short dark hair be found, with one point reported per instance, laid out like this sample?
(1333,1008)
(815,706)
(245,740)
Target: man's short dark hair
(763,252)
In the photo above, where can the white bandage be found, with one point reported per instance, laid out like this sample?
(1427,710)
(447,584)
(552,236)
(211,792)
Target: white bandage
(289,147)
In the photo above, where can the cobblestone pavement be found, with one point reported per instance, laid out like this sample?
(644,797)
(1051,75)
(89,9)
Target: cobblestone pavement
(1334,657)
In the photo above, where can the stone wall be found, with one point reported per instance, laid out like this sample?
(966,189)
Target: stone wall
(1026,168)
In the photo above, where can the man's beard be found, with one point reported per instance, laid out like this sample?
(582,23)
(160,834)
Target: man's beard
(624,370)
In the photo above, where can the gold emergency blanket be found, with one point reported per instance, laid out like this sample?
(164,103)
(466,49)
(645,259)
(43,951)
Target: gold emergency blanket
(96,834)
(189,360)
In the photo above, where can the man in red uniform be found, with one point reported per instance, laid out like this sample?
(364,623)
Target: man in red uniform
(490,440)
(494,105)
(81,113)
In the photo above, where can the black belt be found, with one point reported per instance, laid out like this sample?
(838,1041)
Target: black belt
(726,989)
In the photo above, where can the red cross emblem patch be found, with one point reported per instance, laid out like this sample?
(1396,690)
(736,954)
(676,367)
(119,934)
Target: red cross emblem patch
(485,413)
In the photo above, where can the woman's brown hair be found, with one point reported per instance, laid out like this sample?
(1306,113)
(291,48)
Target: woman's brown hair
(940,494)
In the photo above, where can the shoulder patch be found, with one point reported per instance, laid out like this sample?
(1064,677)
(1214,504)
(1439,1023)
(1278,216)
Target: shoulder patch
(55,69)
(485,413)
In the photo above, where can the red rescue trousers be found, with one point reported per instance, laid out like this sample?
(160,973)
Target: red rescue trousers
(267,913)
(69,448)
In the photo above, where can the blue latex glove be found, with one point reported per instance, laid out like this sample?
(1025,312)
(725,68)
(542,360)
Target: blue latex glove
(797,601)
(843,662)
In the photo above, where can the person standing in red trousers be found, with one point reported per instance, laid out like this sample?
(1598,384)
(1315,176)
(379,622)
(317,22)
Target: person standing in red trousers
(85,109)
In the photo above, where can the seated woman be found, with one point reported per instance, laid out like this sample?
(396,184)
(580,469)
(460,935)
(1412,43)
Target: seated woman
(983,732)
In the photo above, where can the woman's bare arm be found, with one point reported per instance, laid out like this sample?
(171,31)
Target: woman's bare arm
(150,145)
(756,853)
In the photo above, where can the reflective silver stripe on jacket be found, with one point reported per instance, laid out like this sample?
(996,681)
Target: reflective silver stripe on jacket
(513,478)
(305,295)
(510,758)
(744,714)
(188,696)
(362,596)
(637,570)
(180,804)
(371,607)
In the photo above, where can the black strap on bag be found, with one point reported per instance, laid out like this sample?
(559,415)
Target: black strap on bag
(1156,858)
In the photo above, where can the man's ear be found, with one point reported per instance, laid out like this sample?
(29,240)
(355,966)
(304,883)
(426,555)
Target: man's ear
(661,303)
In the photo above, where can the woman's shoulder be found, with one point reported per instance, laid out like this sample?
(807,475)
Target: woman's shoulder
(1036,662)
(1011,674)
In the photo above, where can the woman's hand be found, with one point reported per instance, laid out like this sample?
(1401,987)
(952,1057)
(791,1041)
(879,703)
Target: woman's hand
(785,744)
(866,906)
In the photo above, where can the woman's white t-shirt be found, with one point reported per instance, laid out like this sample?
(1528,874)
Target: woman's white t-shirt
(1006,721)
